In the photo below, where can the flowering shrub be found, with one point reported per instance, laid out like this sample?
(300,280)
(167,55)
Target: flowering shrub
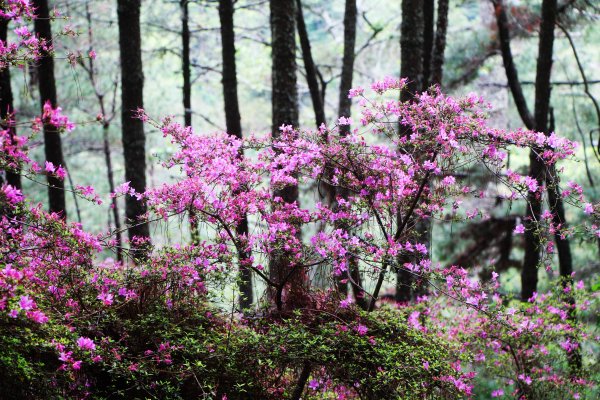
(73,324)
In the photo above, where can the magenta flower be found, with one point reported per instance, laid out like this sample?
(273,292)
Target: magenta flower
(85,343)
(26,303)
(37,316)
(361,330)
(106,298)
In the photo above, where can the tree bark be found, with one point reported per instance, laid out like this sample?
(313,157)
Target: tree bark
(411,47)
(439,45)
(185,67)
(284,112)
(13,177)
(47,85)
(345,103)
(134,139)
(428,35)
(187,93)
(411,67)
(311,69)
(234,127)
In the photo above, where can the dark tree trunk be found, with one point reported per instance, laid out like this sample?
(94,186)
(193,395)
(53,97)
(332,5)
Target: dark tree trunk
(509,65)
(411,47)
(345,103)
(47,85)
(531,260)
(284,112)
(428,34)
(411,67)
(134,139)
(311,70)
(537,168)
(345,110)
(542,111)
(185,56)
(544,66)
(13,177)
(439,45)
(283,39)
(187,92)
(234,127)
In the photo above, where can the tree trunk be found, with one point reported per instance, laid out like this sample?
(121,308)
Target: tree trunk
(557,209)
(134,139)
(234,127)
(439,45)
(311,69)
(509,65)
(345,103)
(284,112)
(13,177)
(531,260)
(411,47)
(187,93)
(428,34)
(111,187)
(345,110)
(185,56)
(47,85)
(411,67)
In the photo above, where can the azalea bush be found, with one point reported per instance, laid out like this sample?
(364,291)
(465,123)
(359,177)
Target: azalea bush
(76,324)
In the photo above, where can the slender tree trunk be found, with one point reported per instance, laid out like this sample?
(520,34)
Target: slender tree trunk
(345,110)
(284,112)
(311,69)
(345,103)
(47,85)
(537,168)
(111,187)
(531,260)
(134,139)
(185,55)
(302,379)
(439,45)
(509,65)
(91,71)
(428,35)
(13,177)
(187,93)
(411,67)
(557,209)
(234,127)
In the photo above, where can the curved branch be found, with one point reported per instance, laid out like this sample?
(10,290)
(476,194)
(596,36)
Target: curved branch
(509,65)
